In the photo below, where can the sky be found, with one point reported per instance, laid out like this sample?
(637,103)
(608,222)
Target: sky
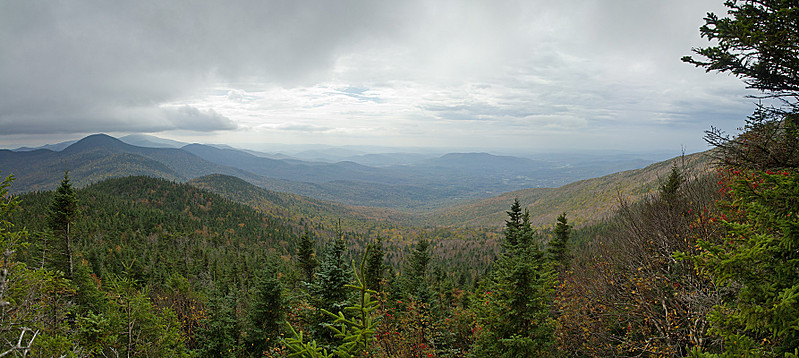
(532,75)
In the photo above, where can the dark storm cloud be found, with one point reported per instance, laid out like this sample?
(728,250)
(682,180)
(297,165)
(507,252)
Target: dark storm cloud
(65,66)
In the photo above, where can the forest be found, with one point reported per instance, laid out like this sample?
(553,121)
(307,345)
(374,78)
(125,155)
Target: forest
(707,265)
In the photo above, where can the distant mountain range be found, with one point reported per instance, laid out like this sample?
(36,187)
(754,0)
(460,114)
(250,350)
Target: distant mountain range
(404,181)
(584,201)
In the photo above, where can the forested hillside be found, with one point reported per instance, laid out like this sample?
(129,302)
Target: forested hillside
(587,201)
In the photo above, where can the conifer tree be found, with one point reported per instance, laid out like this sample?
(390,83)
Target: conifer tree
(306,257)
(757,260)
(266,317)
(559,246)
(415,279)
(375,267)
(329,289)
(516,295)
(513,225)
(219,337)
(60,216)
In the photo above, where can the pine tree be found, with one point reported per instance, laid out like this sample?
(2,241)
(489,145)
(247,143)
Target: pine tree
(219,336)
(559,246)
(375,267)
(516,295)
(329,289)
(266,317)
(415,279)
(513,225)
(306,257)
(60,216)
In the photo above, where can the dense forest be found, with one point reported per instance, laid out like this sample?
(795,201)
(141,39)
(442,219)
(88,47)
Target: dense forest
(707,265)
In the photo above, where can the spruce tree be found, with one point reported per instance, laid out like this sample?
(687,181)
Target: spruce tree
(329,289)
(513,225)
(375,267)
(62,213)
(219,336)
(516,295)
(415,275)
(306,257)
(559,245)
(757,259)
(266,317)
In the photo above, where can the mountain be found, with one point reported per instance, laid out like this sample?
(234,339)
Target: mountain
(143,140)
(294,170)
(292,206)
(99,157)
(584,201)
(420,183)
(54,147)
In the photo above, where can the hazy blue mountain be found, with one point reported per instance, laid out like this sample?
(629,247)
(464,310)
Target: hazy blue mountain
(54,147)
(390,159)
(294,170)
(396,180)
(100,156)
(144,140)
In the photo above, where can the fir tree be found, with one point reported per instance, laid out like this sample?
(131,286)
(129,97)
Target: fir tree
(516,296)
(306,257)
(60,216)
(219,336)
(375,267)
(513,225)
(559,245)
(329,289)
(266,316)
(415,279)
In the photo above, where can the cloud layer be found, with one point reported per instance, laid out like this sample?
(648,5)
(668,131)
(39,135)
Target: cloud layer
(492,73)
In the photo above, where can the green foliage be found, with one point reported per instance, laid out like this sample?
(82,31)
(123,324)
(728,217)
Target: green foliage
(375,267)
(266,316)
(759,258)
(220,336)
(669,189)
(757,43)
(513,309)
(354,327)
(329,289)
(60,218)
(415,274)
(136,327)
(558,250)
(306,258)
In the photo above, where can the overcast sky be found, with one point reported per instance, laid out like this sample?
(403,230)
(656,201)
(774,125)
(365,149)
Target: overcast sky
(538,75)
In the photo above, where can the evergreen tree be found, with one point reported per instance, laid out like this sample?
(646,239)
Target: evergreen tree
(559,245)
(60,216)
(759,43)
(329,289)
(306,257)
(266,317)
(516,296)
(219,336)
(415,279)
(375,267)
(513,225)
(669,189)
(757,260)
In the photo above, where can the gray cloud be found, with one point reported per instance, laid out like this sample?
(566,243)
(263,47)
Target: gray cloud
(63,61)
(502,66)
